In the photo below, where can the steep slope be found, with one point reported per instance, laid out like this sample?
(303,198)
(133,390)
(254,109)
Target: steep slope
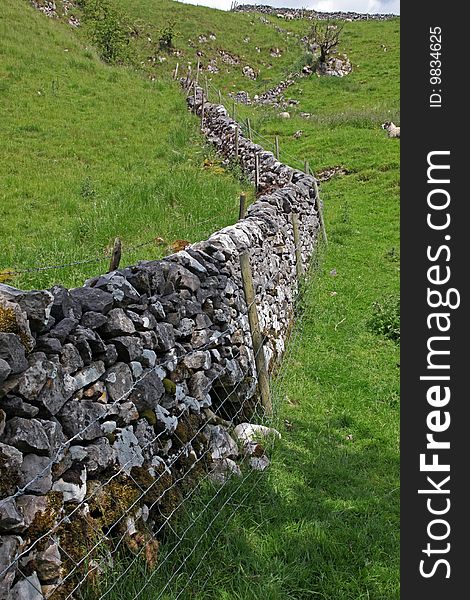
(90,152)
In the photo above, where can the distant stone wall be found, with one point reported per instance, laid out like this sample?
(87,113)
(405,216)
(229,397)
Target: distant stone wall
(304,13)
(112,393)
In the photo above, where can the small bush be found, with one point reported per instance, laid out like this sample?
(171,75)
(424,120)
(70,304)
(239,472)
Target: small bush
(167,36)
(108,28)
(386,318)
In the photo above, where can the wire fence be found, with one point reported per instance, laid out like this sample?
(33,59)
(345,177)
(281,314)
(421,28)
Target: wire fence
(91,567)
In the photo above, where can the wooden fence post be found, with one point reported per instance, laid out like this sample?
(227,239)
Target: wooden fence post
(242,212)
(249,129)
(176,70)
(256,337)
(197,72)
(116,255)
(234,112)
(202,111)
(276,140)
(298,254)
(256,172)
(236,140)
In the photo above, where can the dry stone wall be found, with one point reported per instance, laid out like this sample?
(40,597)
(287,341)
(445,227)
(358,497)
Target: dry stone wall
(112,393)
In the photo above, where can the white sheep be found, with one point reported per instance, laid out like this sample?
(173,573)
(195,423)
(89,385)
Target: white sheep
(284,115)
(393,130)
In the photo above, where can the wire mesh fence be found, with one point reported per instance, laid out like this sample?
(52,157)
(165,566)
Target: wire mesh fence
(128,519)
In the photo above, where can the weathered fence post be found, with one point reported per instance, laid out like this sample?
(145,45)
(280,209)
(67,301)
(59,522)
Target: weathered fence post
(234,112)
(197,72)
(116,255)
(249,129)
(298,254)
(318,201)
(276,141)
(256,172)
(202,111)
(241,214)
(256,337)
(236,140)
(176,70)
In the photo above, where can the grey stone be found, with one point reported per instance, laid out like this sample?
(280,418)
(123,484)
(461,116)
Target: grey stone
(49,345)
(28,588)
(198,385)
(165,336)
(48,562)
(203,321)
(13,352)
(5,370)
(259,463)
(108,427)
(137,369)
(149,358)
(221,445)
(99,456)
(80,418)
(17,407)
(31,382)
(128,450)
(70,359)
(117,285)
(128,348)
(63,329)
(54,433)
(83,335)
(199,338)
(183,278)
(110,355)
(53,394)
(93,320)
(11,520)
(27,435)
(157,310)
(87,376)
(92,299)
(73,491)
(223,469)
(64,305)
(118,380)
(37,304)
(30,505)
(191,263)
(11,460)
(9,549)
(3,418)
(198,360)
(15,318)
(127,412)
(148,391)
(117,324)
(36,476)
(169,422)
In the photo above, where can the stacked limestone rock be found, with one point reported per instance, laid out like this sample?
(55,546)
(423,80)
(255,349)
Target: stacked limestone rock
(302,13)
(116,394)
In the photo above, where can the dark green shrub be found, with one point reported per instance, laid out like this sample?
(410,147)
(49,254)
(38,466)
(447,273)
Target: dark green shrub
(109,29)
(167,36)
(385,319)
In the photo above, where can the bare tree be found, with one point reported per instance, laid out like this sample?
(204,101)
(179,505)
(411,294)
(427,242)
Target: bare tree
(325,36)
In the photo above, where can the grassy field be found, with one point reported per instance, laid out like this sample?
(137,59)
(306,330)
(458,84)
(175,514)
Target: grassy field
(323,522)
(90,152)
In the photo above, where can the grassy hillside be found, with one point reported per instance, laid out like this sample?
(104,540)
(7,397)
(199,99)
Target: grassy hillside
(90,152)
(110,151)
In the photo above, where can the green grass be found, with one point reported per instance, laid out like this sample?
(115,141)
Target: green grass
(91,152)
(323,522)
